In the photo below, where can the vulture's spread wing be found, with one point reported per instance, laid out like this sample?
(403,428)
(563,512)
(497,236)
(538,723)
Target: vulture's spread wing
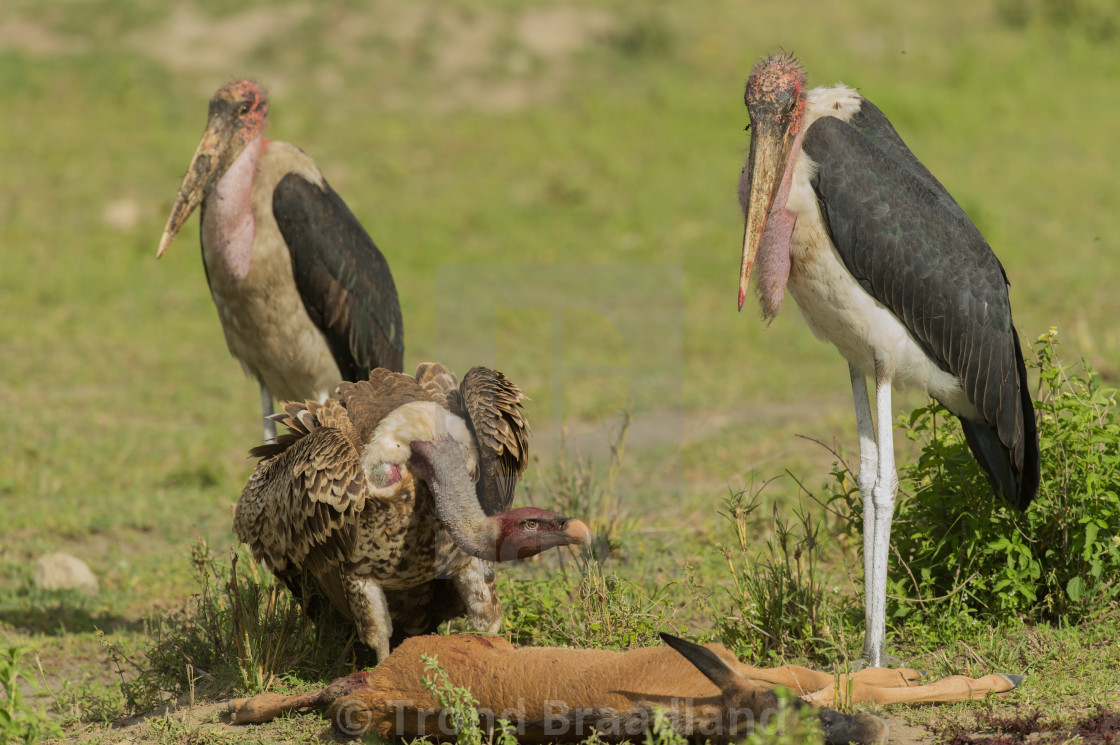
(301,506)
(491,404)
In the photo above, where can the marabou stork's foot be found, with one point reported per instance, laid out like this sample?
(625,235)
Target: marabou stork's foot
(885,660)
(889,662)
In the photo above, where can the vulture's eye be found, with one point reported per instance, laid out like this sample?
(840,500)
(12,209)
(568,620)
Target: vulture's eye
(530,524)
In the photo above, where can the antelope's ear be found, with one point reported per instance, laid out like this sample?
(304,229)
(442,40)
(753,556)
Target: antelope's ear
(707,662)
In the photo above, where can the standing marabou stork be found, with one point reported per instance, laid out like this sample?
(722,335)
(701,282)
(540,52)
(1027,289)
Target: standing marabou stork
(886,266)
(304,297)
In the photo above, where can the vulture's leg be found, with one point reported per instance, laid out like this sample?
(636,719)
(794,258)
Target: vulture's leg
(266,412)
(475,583)
(882,498)
(371,613)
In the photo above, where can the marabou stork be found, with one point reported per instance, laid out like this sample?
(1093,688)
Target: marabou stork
(304,297)
(885,265)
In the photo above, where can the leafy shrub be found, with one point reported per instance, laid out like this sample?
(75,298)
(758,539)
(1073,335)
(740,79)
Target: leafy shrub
(961,552)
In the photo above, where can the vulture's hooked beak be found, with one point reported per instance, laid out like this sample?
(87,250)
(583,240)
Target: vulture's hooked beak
(577,532)
(221,144)
(771,143)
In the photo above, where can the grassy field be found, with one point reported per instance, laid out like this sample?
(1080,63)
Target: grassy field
(554,187)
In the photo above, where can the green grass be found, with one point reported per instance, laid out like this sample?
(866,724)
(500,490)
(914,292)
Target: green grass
(568,216)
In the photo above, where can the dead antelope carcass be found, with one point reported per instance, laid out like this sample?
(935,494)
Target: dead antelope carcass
(558,695)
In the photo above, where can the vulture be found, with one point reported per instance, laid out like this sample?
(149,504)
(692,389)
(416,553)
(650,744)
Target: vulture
(393,500)
(304,296)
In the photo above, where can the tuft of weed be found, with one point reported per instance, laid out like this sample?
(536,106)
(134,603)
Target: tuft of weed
(779,604)
(94,702)
(588,606)
(575,487)
(961,553)
(244,634)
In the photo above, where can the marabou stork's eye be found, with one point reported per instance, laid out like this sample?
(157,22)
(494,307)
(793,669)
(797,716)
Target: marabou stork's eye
(244,108)
(530,524)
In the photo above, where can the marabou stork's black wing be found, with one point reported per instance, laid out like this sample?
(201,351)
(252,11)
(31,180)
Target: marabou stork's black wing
(491,405)
(911,246)
(342,277)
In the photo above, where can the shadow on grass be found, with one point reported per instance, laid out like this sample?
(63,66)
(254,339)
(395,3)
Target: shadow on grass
(1099,726)
(60,613)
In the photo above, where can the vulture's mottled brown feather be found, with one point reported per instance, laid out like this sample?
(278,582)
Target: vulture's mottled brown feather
(370,401)
(437,381)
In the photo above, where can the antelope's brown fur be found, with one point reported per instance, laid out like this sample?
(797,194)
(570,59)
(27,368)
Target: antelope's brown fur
(558,694)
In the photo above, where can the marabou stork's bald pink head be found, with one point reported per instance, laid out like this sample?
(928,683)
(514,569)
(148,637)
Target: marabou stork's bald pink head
(775,98)
(238,115)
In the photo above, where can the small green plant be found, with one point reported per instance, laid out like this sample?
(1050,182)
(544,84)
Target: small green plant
(661,731)
(585,602)
(19,721)
(90,702)
(790,725)
(779,607)
(462,708)
(961,553)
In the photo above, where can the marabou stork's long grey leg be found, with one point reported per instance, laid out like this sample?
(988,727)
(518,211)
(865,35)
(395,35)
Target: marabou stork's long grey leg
(878,486)
(865,479)
(883,497)
(266,412)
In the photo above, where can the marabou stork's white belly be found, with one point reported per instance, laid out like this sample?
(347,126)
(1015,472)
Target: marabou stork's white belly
(268,330)
(265,323)
(838,310)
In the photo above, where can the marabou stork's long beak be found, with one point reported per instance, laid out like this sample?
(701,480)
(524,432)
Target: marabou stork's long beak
(221,144)
(771,143)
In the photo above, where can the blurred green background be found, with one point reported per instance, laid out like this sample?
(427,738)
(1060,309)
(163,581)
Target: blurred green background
(565,172)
